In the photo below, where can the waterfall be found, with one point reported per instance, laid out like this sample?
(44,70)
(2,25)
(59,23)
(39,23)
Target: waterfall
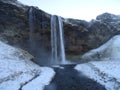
(62,53)
(57,42)
(31,22)
(31,29)
(54,38)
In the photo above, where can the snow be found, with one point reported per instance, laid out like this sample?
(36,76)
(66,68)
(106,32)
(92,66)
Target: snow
(105,72)
(14,83)
(110,20)
(16,3)
(110,50)
(110,67)
(58,66)
(17,71)
(40,81)
(12,60)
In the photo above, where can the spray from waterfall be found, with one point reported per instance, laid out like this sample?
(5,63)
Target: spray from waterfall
(57,41)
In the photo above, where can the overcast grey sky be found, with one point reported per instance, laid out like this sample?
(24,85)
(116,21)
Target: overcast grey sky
(78,9)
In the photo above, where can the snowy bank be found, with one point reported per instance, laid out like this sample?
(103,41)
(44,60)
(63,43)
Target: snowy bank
(17,71)
(105,72)
(110,50)
(39,83)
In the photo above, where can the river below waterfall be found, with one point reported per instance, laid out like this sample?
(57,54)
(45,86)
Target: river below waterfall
(67,78)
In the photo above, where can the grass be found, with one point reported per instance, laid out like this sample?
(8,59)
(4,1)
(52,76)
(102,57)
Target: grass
(73,57)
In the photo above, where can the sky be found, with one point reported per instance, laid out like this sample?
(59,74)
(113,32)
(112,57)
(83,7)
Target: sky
(78,9)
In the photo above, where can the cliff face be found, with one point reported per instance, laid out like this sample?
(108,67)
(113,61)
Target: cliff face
(89,35)
(13,22)
(80,36)
(14,27)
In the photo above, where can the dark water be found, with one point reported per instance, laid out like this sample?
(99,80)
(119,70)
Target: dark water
(70,79)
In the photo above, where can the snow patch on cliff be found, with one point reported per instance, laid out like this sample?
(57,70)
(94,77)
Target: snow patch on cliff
(110,50)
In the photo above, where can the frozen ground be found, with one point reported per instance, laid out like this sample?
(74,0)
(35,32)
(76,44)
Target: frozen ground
(109,50)
(106,71)
(17,72)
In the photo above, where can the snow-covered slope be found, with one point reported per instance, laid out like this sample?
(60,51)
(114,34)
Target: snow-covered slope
(110,50)
(105,72)
(17,72)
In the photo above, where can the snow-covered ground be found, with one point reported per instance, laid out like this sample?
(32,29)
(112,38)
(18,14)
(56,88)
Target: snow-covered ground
(110,50)
(17,72)
(15,3)
(106,71)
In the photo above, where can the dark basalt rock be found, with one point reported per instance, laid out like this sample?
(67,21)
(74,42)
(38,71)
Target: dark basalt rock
(80,36)
(75,38)
(14,27)
(87,36)
(13,22)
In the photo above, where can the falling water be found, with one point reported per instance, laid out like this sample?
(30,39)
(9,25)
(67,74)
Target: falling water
(57,42)
(31,21)
(31,29)
(54,38)
(62,53)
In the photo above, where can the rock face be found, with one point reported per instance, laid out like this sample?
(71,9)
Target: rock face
(13,22)
(14,27)
(80,36)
